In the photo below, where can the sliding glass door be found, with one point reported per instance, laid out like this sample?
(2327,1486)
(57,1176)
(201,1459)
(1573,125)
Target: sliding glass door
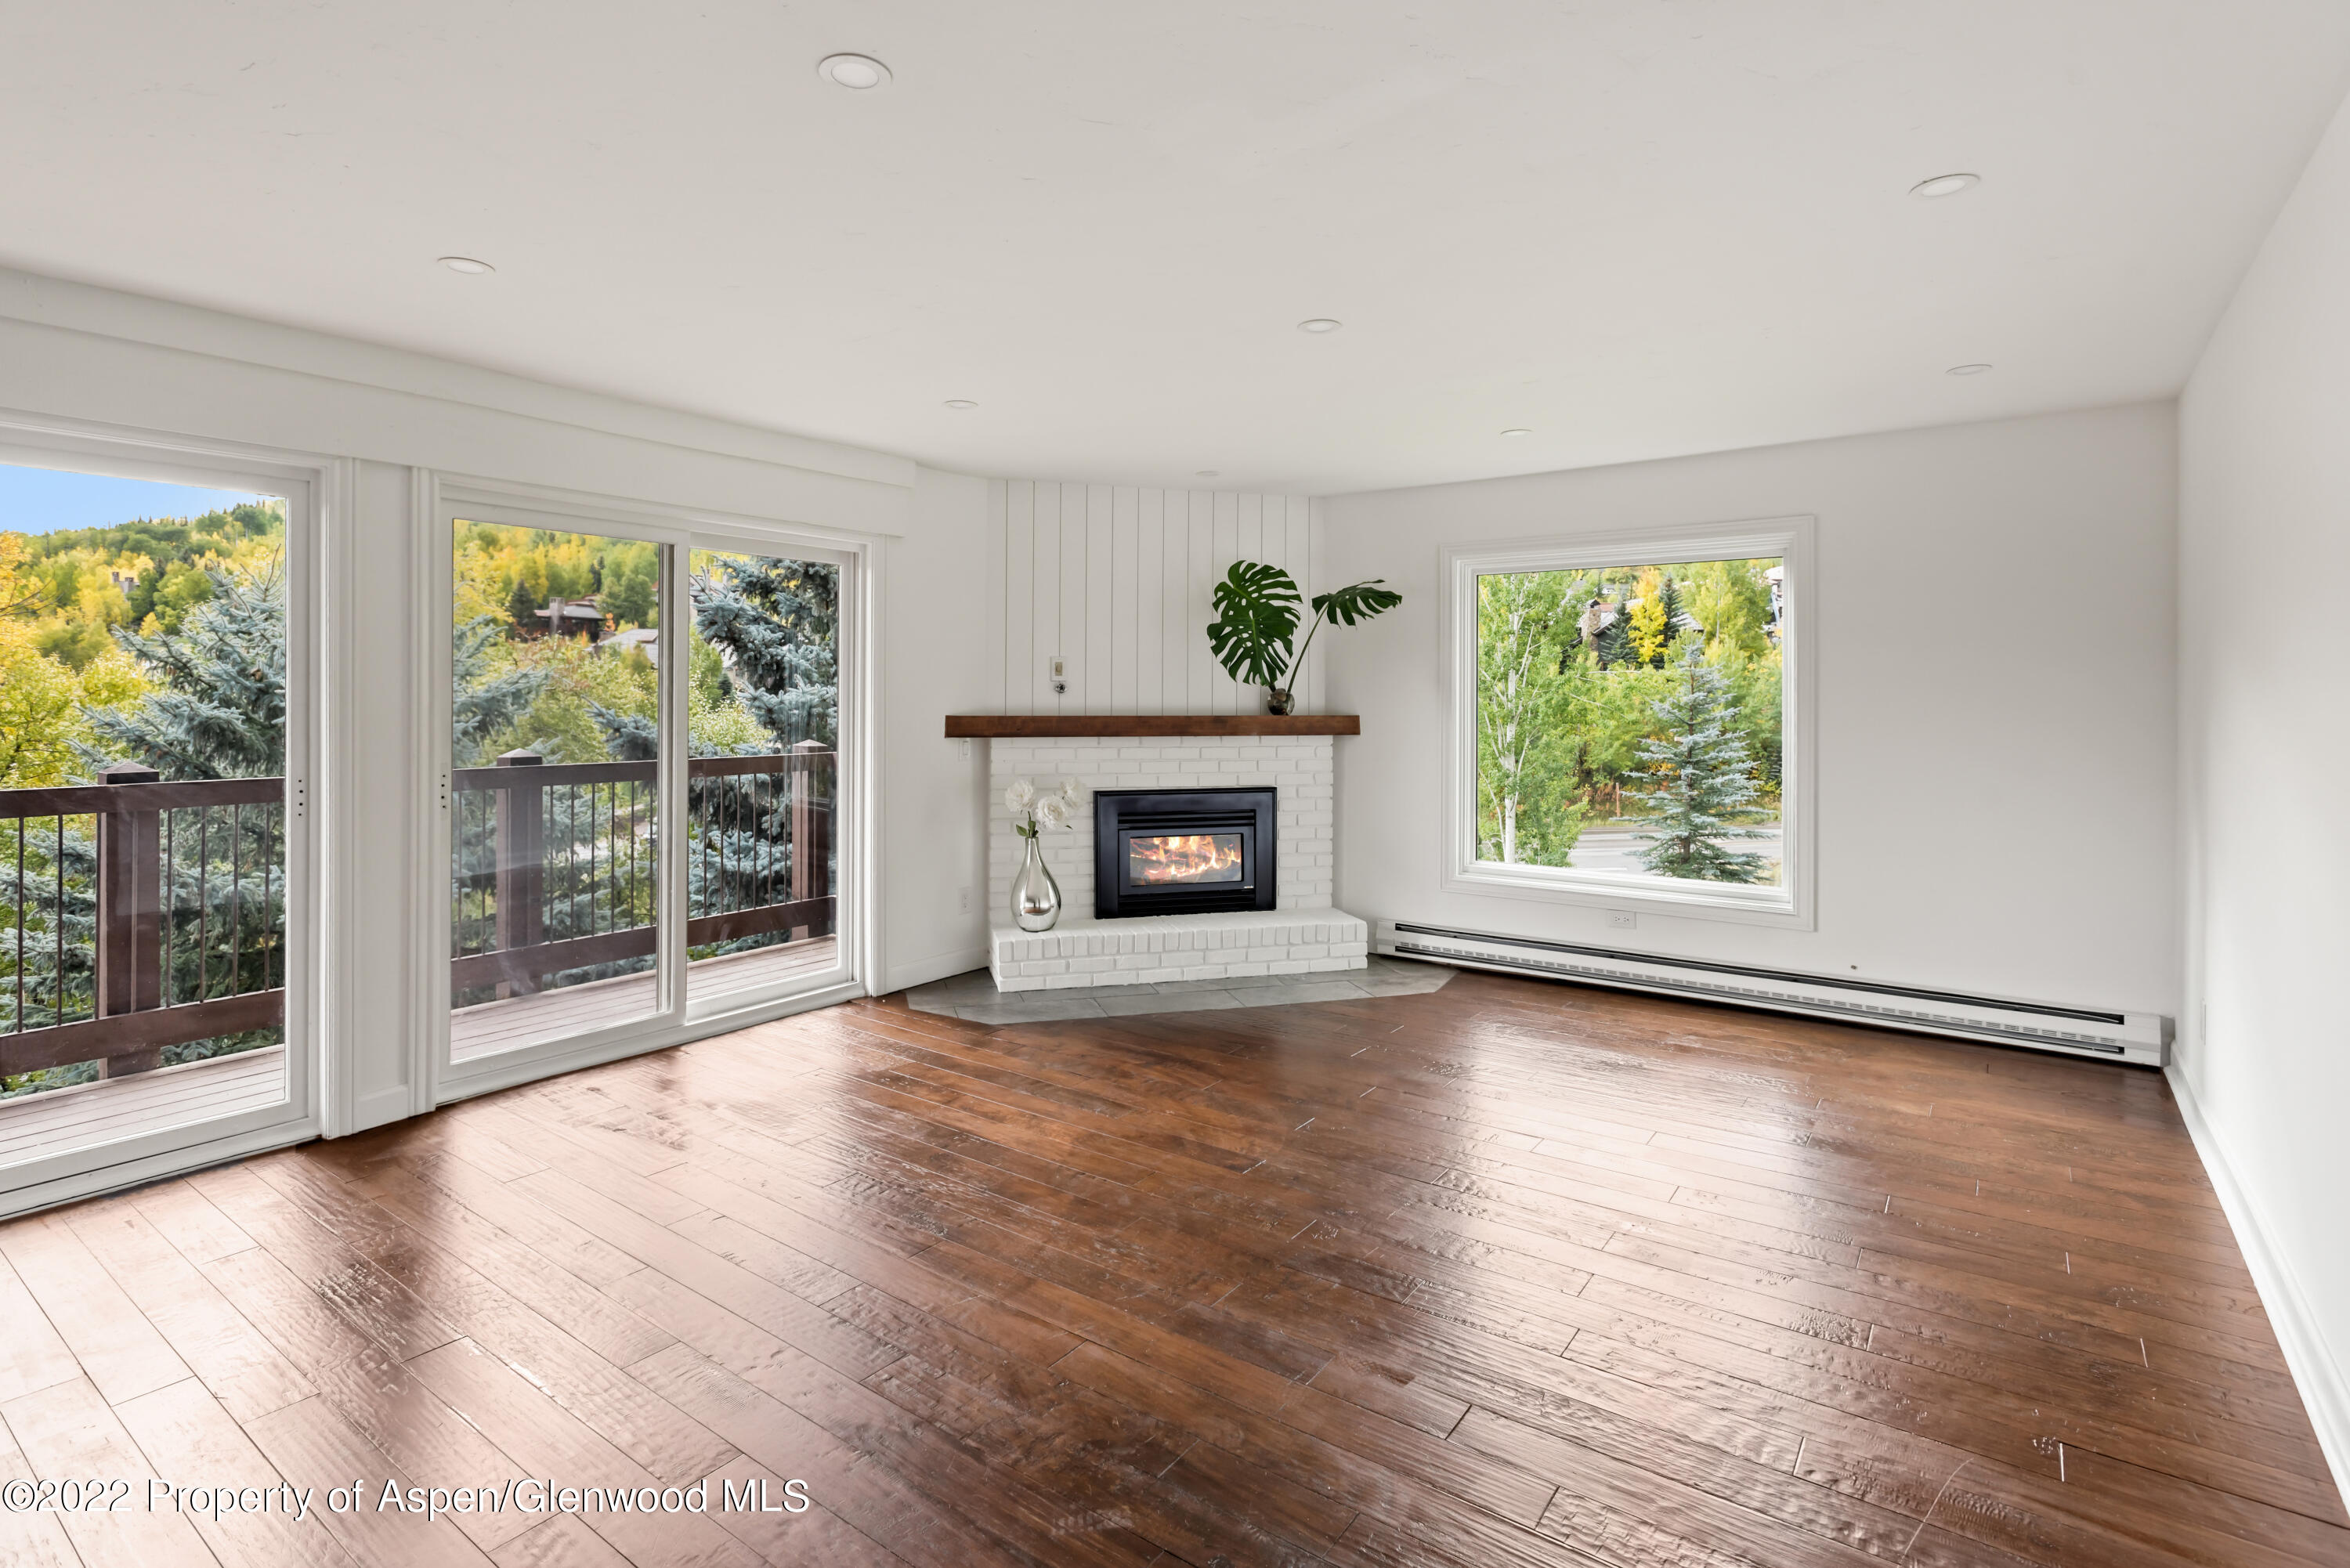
(151,859)
(762,853)
(556,725)
(644,797)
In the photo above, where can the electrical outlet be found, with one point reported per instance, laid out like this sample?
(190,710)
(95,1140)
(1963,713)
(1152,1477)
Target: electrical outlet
(1622,920)
(962,901)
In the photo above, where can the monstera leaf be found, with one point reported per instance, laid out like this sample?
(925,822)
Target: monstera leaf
(1256,606)
(1357,601)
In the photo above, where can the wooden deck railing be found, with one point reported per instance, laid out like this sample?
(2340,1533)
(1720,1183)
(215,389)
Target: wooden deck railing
(554,869)
(137,915)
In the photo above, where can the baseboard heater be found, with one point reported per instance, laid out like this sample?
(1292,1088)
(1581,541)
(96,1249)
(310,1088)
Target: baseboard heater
(2139,1037)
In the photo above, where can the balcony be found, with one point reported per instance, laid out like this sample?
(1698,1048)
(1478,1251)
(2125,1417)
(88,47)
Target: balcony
(142,924)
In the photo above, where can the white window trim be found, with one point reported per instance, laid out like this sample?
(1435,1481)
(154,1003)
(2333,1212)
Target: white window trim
(317,490)
(1791,540)
(436,1080)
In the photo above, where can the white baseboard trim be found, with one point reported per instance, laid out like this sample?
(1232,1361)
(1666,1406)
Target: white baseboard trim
(922,971)
(2324,1391)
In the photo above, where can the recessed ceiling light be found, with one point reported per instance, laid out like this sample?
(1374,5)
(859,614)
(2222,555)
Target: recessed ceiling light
(1207,474)
(960,403)
(858,72)
(467,265)
(1966,370)
(1517,431)
(1320,324)
(1945,185)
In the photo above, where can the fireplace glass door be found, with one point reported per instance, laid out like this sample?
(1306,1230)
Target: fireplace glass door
(1190,859)
(1183,852)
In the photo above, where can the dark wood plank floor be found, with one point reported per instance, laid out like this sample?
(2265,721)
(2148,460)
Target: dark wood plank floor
(1510,1274)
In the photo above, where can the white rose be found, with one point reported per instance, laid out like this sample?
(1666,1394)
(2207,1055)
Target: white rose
(1019,796)
(1053,810)
(1072,793)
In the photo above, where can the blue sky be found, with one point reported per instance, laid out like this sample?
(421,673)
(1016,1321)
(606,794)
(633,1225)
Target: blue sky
(44,500)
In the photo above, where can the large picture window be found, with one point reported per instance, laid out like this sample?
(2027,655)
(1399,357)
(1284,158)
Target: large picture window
(1625,721)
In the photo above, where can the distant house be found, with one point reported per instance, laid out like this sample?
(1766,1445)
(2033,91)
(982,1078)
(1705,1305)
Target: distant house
(575,617)
(644,638)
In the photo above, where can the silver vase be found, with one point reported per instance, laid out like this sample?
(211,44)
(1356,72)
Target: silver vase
(1035,897)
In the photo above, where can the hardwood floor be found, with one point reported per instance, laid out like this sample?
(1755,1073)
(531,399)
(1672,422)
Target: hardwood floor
(1509,1273)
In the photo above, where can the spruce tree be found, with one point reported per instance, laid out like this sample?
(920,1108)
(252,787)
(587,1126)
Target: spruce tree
(1703,779)
(1668,600)
(522,607)
(218,710)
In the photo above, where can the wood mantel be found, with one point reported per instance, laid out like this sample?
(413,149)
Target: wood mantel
(1062,726)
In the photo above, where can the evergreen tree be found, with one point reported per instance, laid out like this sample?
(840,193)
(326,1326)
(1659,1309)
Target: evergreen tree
(776,621)
(1669,601)
(218,711)
(1702,772)
(485,703)
(1612,645)
(522,607)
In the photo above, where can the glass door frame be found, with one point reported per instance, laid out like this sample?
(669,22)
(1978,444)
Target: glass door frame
(318,492)
(441,501)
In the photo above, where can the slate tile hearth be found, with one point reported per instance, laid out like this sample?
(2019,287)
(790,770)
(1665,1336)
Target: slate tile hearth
(973,996)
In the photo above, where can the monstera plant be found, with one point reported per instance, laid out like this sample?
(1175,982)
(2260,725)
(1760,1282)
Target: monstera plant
(1256,615)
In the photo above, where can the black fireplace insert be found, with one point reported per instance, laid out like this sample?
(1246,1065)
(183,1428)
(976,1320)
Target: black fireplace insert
(1183,852)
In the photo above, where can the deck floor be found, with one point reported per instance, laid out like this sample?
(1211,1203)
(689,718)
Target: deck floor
(1502,1275)
(60,1121)
(509,1025)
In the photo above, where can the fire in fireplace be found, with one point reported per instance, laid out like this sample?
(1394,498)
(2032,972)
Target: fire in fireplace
(1162,852)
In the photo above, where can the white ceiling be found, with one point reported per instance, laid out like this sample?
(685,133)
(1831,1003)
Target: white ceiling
(1638,227)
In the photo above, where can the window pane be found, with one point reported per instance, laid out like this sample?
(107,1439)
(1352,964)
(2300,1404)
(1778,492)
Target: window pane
(764,715)
(556,740)
(1629,719)
(143,817)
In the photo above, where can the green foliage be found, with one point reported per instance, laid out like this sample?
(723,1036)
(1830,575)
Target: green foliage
(1571,669)
(1701,781)
(631,584)
(1524,814)
(1256,606)
(218,707)
(1256,614)
(777,623)
(166,541)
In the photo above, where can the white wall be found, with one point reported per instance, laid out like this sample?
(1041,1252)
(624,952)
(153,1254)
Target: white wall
(78,353)
(1992,638)
(2264,542)
(1115,580)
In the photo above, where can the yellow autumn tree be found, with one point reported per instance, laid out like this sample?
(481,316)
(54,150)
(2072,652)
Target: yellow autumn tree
(1648,615)
(41,696)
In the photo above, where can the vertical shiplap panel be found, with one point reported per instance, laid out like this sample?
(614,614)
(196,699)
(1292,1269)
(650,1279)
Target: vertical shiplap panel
(1201,509)
(1102,600)
(999,638)
(1175,603)
(1047,639)
(1125,597)
(1225,696)
(1072,580)
(1149,599)
(1316,553)
(1262,538)
(1020,597)
(1298,560)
